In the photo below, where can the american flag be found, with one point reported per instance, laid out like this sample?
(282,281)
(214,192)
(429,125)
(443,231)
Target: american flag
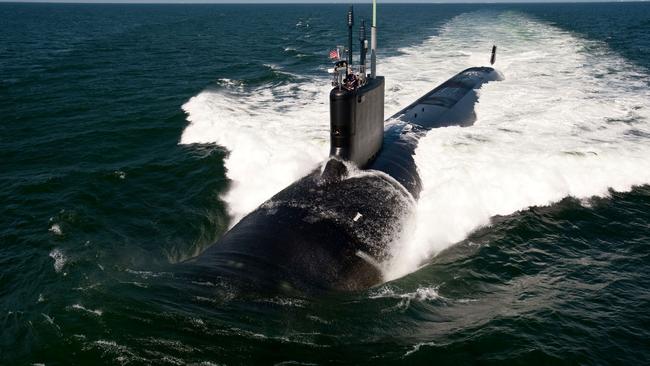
(334,54)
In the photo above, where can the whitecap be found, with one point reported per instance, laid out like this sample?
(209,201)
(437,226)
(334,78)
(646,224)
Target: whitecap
(56,229)
(59,259)
(82,308)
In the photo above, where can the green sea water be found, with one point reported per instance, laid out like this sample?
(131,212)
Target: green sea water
(133,136)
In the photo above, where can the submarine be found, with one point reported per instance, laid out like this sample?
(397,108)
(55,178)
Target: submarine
(332,229)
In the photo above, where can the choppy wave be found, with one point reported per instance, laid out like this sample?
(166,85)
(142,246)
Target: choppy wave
(571,119)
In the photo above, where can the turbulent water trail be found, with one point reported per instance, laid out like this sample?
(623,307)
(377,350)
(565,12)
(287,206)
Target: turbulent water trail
(571,118)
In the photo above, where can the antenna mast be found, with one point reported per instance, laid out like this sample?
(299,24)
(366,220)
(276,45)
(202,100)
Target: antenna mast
(350,24)
(364,48)
(373,41)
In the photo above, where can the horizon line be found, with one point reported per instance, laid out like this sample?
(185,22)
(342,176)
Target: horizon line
(318,2)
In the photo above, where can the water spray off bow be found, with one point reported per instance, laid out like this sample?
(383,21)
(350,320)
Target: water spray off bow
(333,229)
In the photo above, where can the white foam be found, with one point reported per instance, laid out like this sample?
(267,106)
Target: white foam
(274,135)
(571,119)
(404,300)
(420,294)
(91,311)
(59,259)
(56,229)
(417,347)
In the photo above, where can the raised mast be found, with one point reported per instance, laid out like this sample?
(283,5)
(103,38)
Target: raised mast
(363,46)
(373,41)
(350,24)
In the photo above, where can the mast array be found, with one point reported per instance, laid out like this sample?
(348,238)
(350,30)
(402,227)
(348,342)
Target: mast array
(344,74)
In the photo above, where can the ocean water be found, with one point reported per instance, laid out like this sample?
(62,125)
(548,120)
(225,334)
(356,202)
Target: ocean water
(133,136)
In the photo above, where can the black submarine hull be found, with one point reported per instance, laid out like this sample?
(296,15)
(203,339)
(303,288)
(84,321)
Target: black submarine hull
(332,229)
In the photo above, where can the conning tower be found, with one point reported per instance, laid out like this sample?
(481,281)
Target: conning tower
(357,100)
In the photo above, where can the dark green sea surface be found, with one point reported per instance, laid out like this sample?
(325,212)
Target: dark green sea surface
(99,201)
